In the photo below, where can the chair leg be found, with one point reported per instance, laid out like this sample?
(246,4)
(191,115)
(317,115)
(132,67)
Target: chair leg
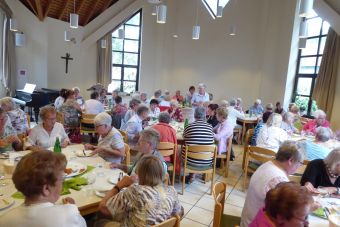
(244,179)
(183,182)
(212,183)
(173,177)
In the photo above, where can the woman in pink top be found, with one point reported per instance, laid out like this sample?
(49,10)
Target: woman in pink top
(223,130)
(286,205)
(320,120)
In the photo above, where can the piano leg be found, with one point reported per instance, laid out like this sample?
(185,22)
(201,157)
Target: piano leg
(36,114)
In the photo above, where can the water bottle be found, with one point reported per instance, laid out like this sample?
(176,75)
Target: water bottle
(186,122)
(57,146)
(250,113)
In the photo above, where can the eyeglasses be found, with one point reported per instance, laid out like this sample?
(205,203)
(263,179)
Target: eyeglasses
(303,220)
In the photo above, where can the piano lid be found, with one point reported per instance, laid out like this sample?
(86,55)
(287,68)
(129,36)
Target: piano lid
(29,88)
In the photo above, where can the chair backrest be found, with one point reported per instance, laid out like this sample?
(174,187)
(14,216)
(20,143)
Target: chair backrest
(166,148)
(60,117)
(260,154)
(249,136)
(219,191)
(124,134)
(28,120)
(200,152)
(127,154)
(171,222)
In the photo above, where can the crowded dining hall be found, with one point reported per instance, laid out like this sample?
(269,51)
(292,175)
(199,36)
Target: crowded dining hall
(191,113)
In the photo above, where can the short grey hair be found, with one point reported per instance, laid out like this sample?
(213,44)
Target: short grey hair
(142,109)
(232,102)
(323,134)
(289,150)
(202,85)
(134,102)
(287,116)
(164,117)
(269,106)
(103,119)
(76,89)
(319,113)
(158,92)
(200,113)
(239,99)
(333,159)
(258,101)
(8,101)
(151,136)
(224,103)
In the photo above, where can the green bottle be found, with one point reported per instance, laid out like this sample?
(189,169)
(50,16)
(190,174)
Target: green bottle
(57,146)
(186,122)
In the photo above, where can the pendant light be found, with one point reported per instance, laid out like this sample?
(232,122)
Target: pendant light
(161,14)
(74,18)
(219,12)
(103,43)
(154,10)
(121,33)
(232,30)
(13,25)
(306,8)
(303,32)
(67,36)
(196,29)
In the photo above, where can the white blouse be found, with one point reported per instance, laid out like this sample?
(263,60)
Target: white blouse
(271,137)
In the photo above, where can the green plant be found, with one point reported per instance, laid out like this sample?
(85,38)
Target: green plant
(302,103)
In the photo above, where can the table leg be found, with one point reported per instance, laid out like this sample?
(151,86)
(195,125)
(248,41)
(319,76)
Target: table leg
(243,132)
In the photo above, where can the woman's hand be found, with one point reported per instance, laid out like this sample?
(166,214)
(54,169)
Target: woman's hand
(96,150)
(64,143)
(88,146)
(126,181)
(311,188)
(68,200)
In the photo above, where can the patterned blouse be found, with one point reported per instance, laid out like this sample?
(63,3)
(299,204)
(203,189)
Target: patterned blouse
(19,120)
(113,140)
(8,131)
(176,114)
(71,117)
(141,205)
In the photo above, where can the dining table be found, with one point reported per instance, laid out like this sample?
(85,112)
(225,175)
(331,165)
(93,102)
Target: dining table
(100,180)
(327,203)
(247,121)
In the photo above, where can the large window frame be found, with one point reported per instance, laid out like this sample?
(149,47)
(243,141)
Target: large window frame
(121,77)
(303,75)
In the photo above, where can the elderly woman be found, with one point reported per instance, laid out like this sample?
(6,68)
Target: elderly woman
(288,159)
(323,173)
(223,130)
(320,120)
(234,114)
(198,133)
(238,105)
(175,112)
(319,148)
(288,123)
(178,96)
(257,108)
(118,112)
(166,132)
(201,98)
(78,97)
(110,144)
(147,203)
(44,135)
(286,205)
(39,176)
(211,114)
(165,103)
(8,136)
(271,136)
(16,115)
(102,97)
(133,104)
(259,126)
(71,110)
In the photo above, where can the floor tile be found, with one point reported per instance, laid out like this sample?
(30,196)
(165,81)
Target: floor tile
(235,200)
(232,210)
(200,215)
(185,222)
(207,202)
(189,198)
(187,207)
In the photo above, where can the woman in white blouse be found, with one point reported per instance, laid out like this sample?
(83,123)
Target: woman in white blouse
(44,135)
(271,136)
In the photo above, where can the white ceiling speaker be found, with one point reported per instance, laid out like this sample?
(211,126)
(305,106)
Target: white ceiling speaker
(303,32)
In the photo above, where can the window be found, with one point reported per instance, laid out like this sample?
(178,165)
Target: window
(309,60)
(212,5)
(126,54)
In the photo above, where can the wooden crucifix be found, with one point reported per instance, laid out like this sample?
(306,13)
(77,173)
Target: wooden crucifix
(67,58)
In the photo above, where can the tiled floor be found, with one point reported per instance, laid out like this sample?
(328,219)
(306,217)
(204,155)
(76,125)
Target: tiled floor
(198,204)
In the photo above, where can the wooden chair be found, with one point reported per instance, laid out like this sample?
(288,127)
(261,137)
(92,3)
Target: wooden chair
(258,154)
(127,154)
(86,121)
(226,157)
(238,132)
(296,177)
(124,134)
(60,117)
(221,219)
(169,149)
(249,136)
(28,120)
(171,222)
(200,152)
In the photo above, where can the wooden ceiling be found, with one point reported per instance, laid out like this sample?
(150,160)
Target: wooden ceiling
(61,9)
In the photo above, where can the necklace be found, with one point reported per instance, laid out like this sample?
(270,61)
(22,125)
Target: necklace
(330,173)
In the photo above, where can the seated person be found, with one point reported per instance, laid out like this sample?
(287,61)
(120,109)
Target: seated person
(16,115)
(288,159)
(147,145)
(71,110)
(258,127)
(288,123)
(44,135)
(269,108)
(135,125)
(256,109)
(223,130)
(110,144)
(201,98)
(8,135)
(165,103)
(118,112)
(102,96)
(154,110)
(175,112)
(324,173)
(238,105)
(317,149)
(78,97)
(211,114)
(271,136)
(178,97)
(93,105)
(166,132)
(60,99)
(320,120)
(39,176)
(288,204)
(189,94)
(147,203)
(279,109)
(144,98)
(133,104)
(233,114)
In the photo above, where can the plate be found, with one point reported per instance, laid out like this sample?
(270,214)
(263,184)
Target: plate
(4,155)
(114,179)
(6,203)
(100,194)
(74,169)
(80,153)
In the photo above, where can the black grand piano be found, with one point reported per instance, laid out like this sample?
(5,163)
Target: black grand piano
(39,98)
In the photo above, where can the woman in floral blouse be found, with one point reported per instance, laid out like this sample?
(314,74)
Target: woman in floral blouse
(71,110)
(175,112)
(8,136)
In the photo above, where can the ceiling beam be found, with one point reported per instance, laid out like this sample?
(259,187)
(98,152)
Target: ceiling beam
(32,7)
(39,9)
(89,16)
(79,5)
(47,8)
(108,3)
(62,11)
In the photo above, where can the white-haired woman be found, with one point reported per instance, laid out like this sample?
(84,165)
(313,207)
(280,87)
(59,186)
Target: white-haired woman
(175,112)
(288,123)
(324,173)
(78,97)
(16,115)
(8,136)
(257,108)
(110,144)
(320,120)
(271,136)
